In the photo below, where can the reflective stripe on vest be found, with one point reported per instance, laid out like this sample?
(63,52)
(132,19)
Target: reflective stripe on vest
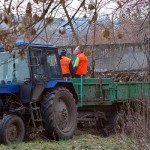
(83,64)
(65,61)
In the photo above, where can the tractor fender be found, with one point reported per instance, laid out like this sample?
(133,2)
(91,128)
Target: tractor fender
(67,84)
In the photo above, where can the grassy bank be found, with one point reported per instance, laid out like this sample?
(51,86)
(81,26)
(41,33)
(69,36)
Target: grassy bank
(82,141)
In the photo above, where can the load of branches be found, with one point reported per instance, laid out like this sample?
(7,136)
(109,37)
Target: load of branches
(126,76)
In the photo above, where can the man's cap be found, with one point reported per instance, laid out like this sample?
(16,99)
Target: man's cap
(79,47)
(63,52)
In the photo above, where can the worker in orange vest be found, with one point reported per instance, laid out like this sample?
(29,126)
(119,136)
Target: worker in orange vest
(81,63)
(66,65)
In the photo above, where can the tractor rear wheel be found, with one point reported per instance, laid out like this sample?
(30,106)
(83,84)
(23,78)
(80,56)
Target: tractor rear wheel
(12,129)
(59,114)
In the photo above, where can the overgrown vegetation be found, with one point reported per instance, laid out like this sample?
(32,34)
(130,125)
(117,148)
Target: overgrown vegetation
(83,141)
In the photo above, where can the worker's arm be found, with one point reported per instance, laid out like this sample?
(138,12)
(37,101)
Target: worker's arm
(76,64)
(71,69)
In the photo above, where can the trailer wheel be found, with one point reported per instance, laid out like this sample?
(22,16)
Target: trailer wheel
(59,114)
(12,129)
(116,124)
(100,125)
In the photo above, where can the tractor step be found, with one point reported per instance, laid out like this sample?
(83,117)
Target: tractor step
(36,116)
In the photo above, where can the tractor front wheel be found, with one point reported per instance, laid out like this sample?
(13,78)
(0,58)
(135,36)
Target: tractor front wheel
(59,114)
(12,129)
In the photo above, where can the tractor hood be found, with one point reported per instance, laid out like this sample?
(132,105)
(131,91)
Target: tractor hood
(9,88)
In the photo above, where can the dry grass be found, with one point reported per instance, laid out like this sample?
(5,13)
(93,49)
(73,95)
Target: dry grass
(83,141)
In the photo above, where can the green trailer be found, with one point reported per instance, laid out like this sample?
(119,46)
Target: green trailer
(103,91)
(105,101)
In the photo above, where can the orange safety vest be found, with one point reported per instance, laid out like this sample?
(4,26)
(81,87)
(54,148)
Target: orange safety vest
(64,62)
(83,64)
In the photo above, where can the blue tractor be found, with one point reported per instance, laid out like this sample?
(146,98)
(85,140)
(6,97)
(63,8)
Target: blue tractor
(34,98)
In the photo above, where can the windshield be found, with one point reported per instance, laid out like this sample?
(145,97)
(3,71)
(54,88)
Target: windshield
(13,68)
(44,64)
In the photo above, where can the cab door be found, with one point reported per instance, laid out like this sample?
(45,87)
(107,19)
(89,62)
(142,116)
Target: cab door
(45,64)
(53,65)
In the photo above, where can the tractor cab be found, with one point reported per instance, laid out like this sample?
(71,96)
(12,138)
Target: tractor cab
(44,63)
(39,63)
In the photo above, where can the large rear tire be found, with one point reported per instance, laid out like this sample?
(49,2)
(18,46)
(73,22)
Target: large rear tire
(59,114)
(12,129)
